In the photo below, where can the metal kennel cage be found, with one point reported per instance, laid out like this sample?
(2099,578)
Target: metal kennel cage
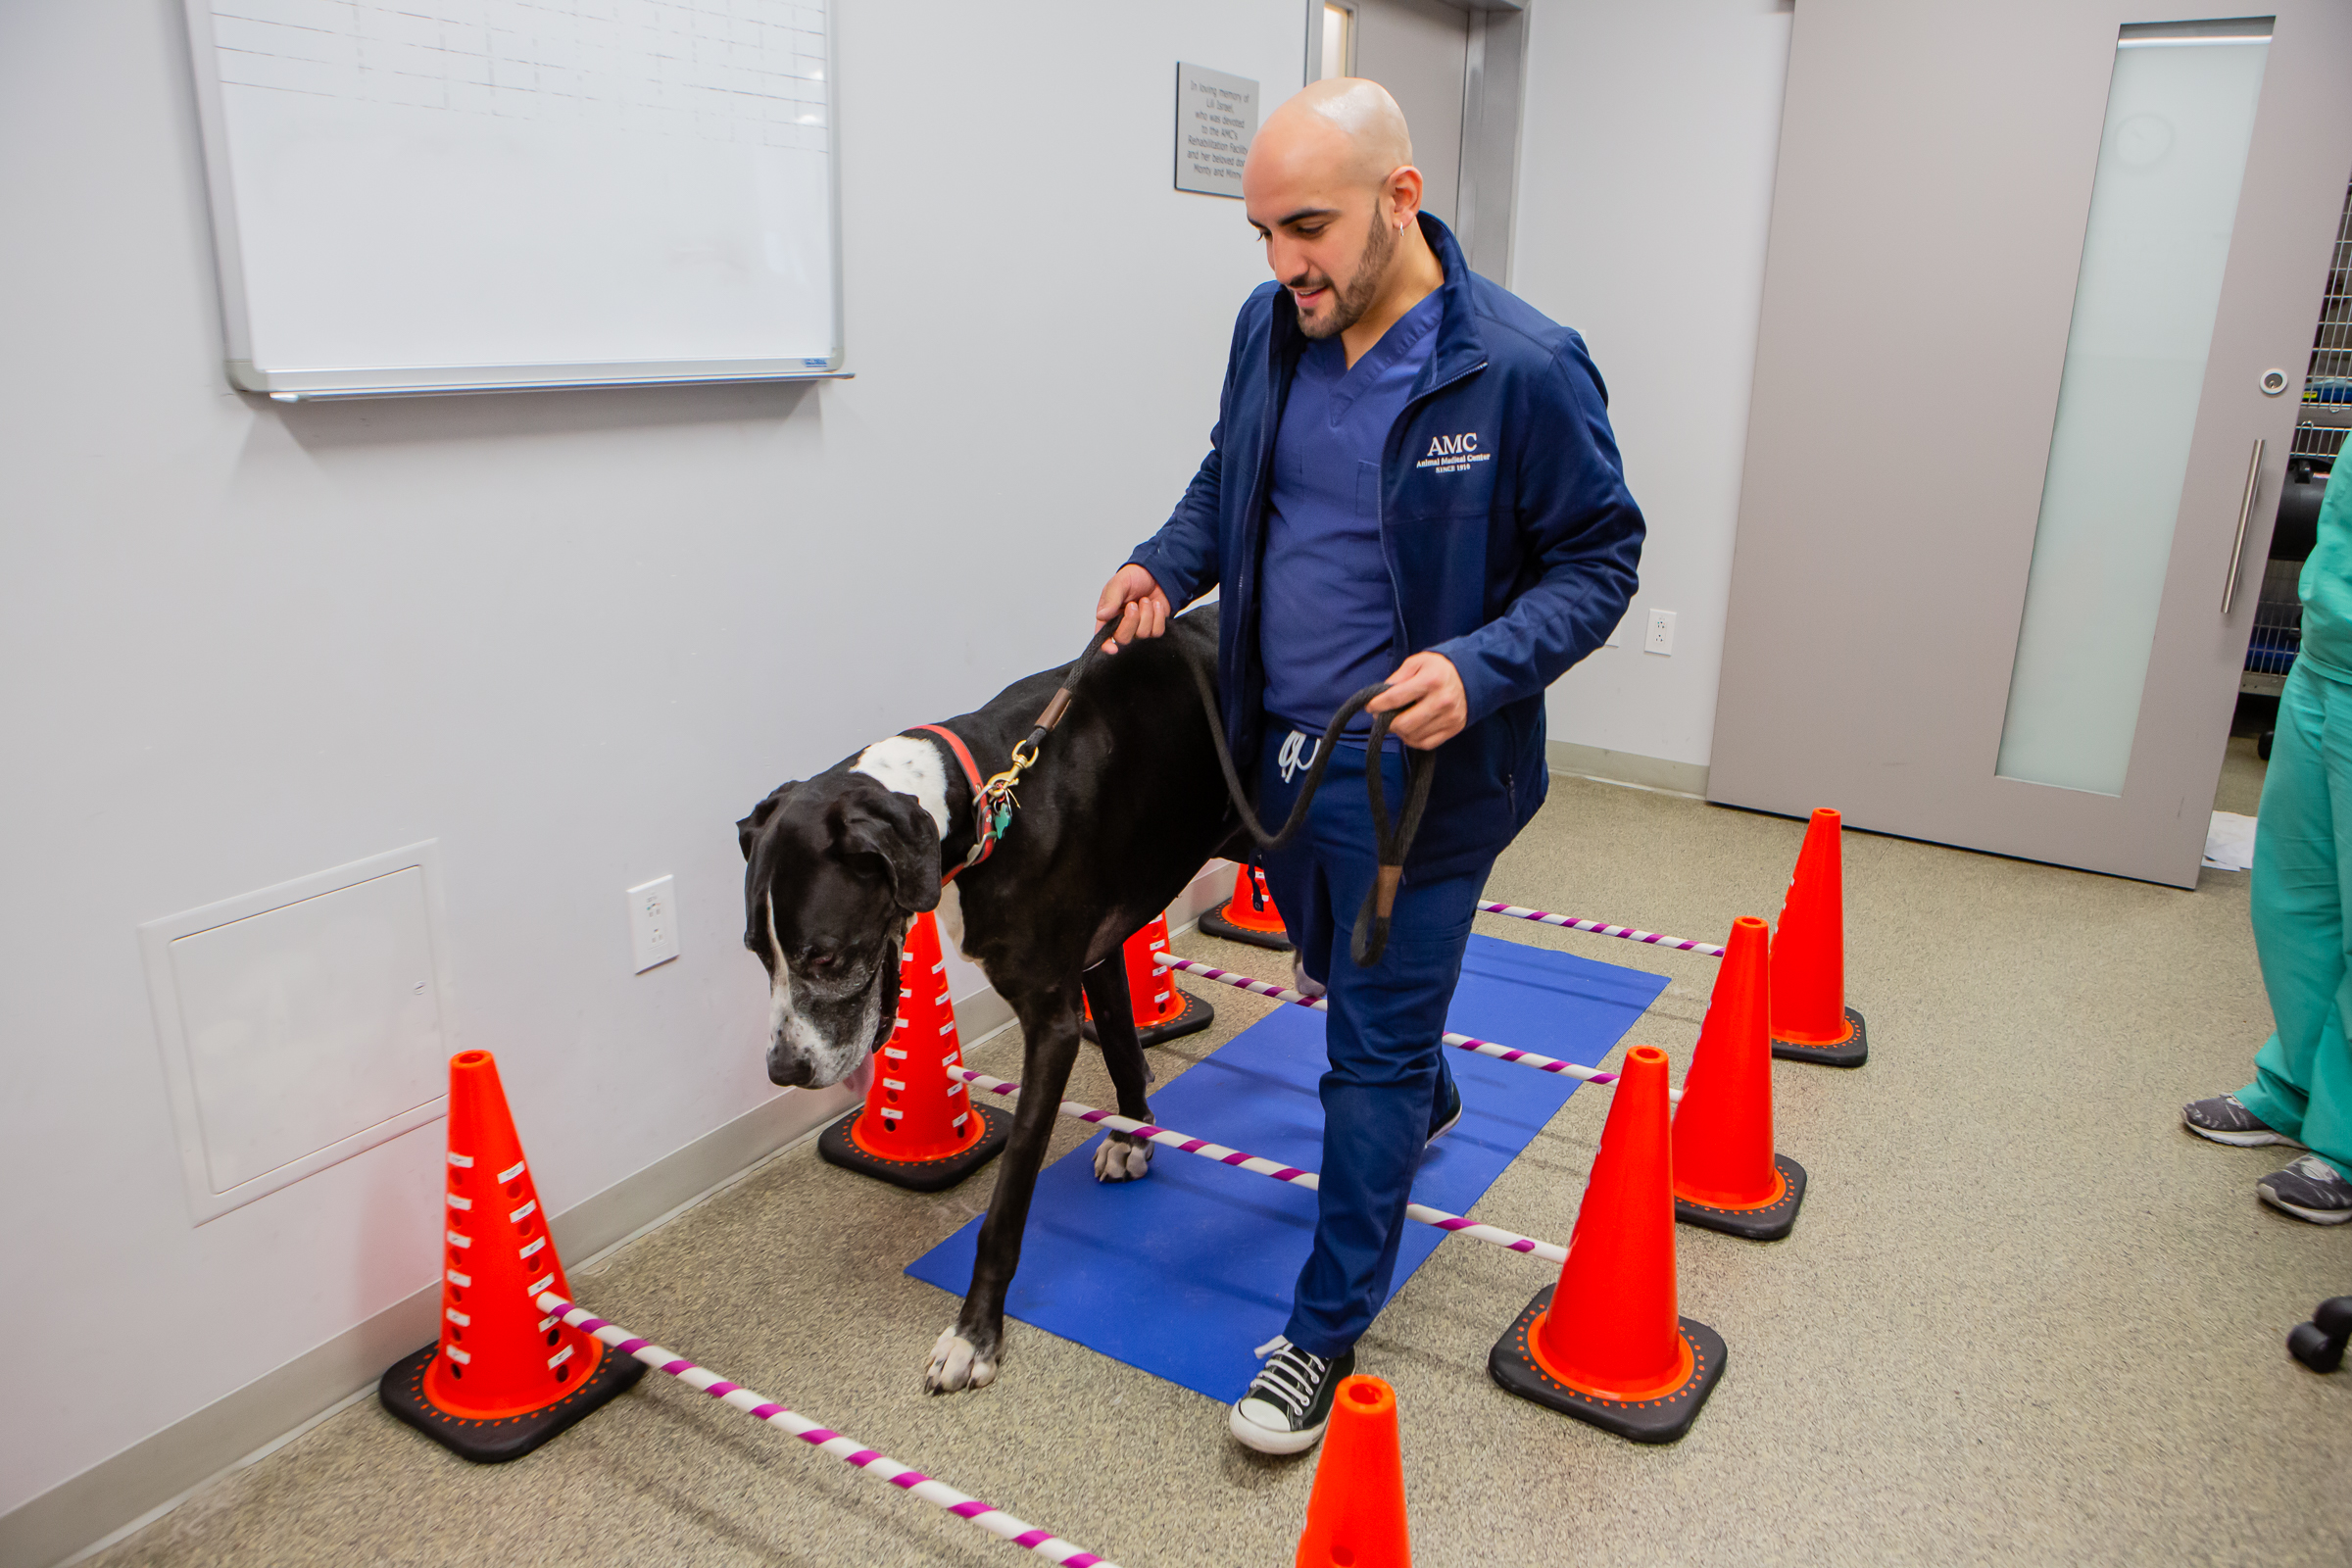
(2327,413)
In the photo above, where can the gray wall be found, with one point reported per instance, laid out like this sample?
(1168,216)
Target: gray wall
(1644,192)
(571,636)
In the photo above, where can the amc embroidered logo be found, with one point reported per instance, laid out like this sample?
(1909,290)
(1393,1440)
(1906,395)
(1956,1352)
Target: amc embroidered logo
(1451,454)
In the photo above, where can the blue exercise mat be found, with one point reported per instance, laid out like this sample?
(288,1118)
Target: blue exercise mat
(1183,1273)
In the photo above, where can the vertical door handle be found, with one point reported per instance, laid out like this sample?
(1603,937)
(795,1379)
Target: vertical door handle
(2246,510)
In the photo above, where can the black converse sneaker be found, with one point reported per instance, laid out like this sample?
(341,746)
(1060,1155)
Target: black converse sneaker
(2224,1120)
(2310,1189)
(1288,1402)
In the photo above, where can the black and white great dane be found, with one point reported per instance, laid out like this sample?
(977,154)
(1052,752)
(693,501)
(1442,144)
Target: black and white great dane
(1125,804)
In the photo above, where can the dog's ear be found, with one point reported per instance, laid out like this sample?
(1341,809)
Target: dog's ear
(891,828)
(747,829)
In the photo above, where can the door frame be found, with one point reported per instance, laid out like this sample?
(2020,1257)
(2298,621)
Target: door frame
(1494,91)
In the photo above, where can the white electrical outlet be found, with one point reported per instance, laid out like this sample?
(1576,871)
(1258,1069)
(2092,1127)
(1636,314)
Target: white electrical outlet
(1659,638)
(654,922)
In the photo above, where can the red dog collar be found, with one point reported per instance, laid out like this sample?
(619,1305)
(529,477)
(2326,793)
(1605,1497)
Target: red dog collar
(984,841)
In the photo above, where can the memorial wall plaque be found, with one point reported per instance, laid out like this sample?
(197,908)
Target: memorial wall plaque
(1216,116)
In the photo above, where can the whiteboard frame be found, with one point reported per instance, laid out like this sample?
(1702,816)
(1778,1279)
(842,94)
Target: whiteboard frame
(289,384)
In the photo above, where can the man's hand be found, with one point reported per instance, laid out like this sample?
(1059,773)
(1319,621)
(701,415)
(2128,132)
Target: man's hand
(1429,690)
(1133,605)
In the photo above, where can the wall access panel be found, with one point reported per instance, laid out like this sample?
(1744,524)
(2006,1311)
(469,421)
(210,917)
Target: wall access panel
(301,1024)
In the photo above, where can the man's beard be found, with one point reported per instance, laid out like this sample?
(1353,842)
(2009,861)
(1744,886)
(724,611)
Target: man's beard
(1349,305)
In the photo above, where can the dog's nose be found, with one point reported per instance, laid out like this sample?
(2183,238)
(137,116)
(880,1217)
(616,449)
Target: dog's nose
(787,1074)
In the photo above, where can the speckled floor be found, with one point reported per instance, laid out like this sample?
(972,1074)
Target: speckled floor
(2242,772)
(2022,1318)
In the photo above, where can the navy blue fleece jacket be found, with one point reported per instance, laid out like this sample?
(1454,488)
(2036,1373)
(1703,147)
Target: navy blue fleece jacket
(1510,538)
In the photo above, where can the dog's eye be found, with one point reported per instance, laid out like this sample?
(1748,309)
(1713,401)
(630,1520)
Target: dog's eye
(819,958)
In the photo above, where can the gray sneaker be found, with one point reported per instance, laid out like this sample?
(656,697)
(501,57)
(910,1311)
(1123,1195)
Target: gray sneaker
(2310,1189)
(2224,1120)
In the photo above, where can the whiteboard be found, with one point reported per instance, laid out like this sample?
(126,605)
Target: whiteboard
(462,195)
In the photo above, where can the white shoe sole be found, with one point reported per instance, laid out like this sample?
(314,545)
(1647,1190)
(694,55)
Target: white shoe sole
(1268,1439)
(1451,1122)
(2249,1140)
(2315,1216)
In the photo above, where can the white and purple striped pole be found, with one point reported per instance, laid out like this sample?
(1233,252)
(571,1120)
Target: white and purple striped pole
(1476,1229)
(996,1521)
(1599,928)
(1471,1043)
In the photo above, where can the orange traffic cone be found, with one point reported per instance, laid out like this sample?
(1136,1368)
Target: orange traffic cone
(1162,1010)
(1810,1020)
(1249,914)
(918,1128)
(504,1376)
(1726,1175)
(1355,1515)
(1605,1345)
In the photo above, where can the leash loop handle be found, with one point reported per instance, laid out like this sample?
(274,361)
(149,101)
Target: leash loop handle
(1371,936)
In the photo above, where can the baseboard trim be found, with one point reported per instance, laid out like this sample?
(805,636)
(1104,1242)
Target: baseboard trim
(1626,767)
(81,1516)
(981,1015)
(84,1515)
(1205,892)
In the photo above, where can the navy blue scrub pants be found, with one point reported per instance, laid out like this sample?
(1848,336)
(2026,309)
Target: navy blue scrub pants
(1381,1034)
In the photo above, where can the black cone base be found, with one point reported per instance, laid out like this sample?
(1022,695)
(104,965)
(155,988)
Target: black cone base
(1663,1420)
(1216,926)
(510,1438)
(1195,1016)
(1852,1052)
(1767,1224)
(916,1175)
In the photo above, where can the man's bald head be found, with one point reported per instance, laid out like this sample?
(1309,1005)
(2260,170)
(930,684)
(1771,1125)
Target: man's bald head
(1330,185)
(1347,130)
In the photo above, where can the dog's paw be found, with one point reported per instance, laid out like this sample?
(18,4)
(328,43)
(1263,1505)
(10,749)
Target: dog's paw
(1117,1160)
(955,1364)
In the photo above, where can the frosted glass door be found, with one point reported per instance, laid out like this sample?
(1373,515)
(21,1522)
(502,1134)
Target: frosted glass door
(2172,159)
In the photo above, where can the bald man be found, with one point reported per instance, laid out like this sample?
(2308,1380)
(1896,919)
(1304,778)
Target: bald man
(1411,480)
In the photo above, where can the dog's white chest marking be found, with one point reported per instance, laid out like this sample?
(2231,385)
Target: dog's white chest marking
(906,765)
(951,917)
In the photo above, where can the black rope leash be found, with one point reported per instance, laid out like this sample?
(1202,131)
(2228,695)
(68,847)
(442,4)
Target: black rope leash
(993,810)
(1371,936)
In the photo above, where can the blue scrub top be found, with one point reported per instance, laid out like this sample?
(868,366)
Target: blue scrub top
(1327,630)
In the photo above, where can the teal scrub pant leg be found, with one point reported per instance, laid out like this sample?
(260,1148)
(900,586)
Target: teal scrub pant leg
(2302,885)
